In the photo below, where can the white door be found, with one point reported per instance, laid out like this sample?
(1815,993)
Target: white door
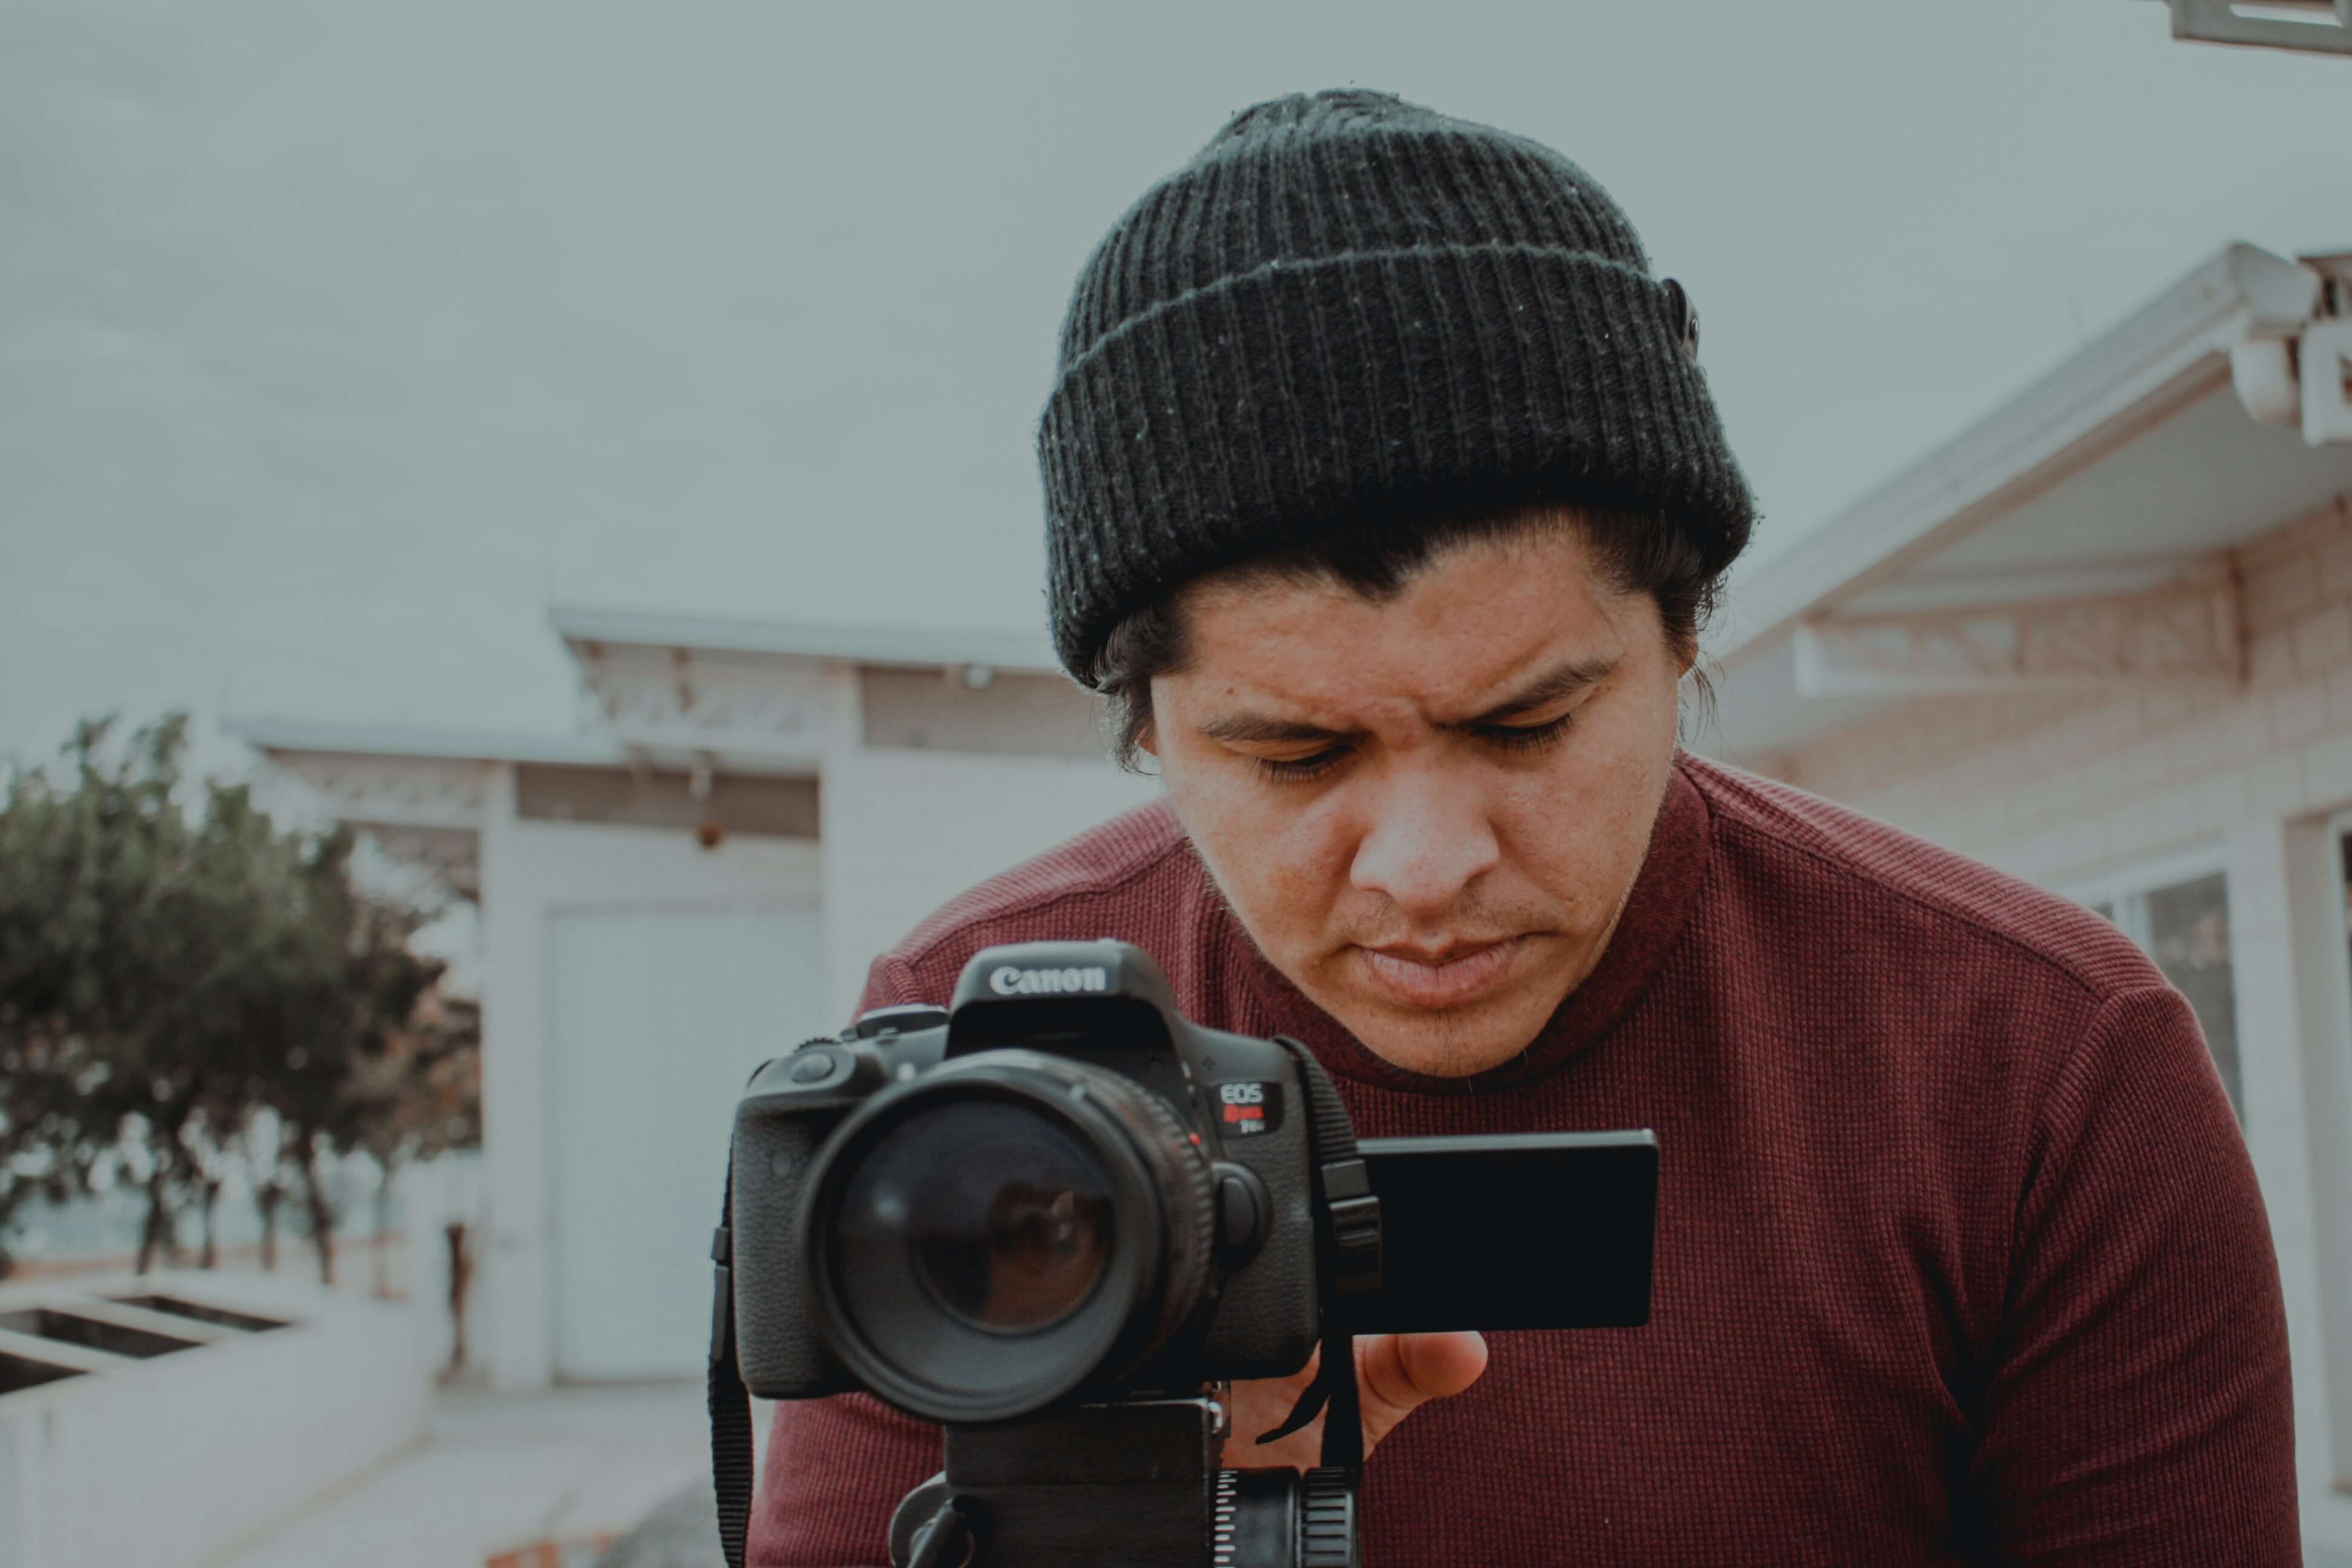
(656,1017)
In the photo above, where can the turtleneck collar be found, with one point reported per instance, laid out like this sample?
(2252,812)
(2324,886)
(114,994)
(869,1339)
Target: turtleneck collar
(1664,893)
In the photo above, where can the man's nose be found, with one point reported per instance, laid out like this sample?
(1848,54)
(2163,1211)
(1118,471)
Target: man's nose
(1428,839)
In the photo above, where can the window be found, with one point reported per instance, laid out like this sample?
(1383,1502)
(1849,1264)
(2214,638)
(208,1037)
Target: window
(2179,913)
(2340,831)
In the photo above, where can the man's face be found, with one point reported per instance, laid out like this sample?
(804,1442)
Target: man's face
(1426,812)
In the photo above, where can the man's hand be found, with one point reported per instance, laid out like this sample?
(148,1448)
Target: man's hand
(1395,1374)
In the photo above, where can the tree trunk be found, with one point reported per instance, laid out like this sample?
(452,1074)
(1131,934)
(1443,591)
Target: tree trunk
(155,1236)
(322,1214)
(211,1200)
(461,1274)
(14,1194)
(383,1227)
(267,1198)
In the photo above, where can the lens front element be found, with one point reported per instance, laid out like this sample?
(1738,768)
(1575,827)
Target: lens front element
(1005,1217)
(1002,1234)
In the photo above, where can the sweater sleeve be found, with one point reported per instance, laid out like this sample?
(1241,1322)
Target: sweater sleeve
(836,1468)
(2138,1411)
(835,1472)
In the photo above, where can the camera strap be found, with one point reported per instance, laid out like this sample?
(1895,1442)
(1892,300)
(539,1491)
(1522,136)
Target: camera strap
(731,1461)
(1348,1240)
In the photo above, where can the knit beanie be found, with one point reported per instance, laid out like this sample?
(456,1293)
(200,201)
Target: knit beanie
(1348,310)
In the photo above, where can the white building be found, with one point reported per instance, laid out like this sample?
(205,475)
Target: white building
(633,977)
(2103,640)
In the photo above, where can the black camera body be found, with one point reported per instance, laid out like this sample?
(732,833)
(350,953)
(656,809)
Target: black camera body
(1058,1190)
(1054,1216)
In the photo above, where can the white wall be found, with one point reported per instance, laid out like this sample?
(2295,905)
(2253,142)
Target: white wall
(907,830)
(529,869)
(656,1019)
(2066,789)
(166,1461)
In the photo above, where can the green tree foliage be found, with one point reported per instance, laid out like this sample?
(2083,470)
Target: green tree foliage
(171,967)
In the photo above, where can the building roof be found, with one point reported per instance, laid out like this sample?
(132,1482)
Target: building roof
(2116,472)
(917,646)
(286,740)
(290,736)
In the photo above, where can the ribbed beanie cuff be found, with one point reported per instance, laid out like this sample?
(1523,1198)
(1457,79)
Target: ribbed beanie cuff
(1348,308)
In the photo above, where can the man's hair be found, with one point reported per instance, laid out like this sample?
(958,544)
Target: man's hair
(1636,553)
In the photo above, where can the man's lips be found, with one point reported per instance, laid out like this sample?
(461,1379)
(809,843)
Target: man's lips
(1441,977)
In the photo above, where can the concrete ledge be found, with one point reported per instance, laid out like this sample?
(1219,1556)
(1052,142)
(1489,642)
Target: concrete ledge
(172,1435)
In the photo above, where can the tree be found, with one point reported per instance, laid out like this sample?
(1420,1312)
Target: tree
(177,924)
(340,1021)
(172,964)
(47,1067)
(88,860)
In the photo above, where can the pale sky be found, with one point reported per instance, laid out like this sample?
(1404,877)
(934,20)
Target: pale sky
(337,338)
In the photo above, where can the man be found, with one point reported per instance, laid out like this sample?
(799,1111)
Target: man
(1385,502)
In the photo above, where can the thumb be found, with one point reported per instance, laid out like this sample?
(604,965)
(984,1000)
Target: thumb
(1397,1374)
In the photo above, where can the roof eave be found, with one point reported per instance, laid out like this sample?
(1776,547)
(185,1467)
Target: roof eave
(907,646)
(284,738)
(2162,357)
(298,736)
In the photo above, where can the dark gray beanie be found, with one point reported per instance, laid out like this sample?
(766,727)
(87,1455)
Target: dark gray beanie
(1349,309)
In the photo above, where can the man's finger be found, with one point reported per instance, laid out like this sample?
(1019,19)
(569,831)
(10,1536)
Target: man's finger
(1398,1372)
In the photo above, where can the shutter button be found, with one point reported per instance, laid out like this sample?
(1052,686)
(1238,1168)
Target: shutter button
(813,1067)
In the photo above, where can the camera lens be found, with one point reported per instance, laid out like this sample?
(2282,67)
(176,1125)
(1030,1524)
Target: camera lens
(1006,1216)
(1003,1233)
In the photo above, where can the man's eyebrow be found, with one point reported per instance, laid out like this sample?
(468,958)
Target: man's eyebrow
(1263,729)
(1566,680)
(1258,729)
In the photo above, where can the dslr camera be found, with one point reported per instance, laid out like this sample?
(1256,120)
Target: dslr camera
(1057,1190)
(1054,1216)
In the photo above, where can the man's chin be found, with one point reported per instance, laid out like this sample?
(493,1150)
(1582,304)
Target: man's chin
(1445,1042)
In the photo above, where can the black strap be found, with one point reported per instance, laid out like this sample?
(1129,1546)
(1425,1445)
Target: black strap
(1350,1241)
(731,1460)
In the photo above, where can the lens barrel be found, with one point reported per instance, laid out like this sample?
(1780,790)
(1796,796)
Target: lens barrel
(1284,1518)
(1003,1233)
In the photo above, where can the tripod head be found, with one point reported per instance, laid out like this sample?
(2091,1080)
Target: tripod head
(1132,1485)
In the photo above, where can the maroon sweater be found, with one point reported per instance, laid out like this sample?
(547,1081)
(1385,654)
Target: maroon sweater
(1960,1256)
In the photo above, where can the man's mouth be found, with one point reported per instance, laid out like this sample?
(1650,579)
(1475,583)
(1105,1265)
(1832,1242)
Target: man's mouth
(1447,976)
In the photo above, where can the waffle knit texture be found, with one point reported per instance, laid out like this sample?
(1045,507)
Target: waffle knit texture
(1960,1257)
(1345,312)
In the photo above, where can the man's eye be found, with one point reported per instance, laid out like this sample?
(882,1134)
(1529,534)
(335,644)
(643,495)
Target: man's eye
(1293,769)
(1529,737)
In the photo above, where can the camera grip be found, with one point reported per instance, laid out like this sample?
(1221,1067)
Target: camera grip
(775,1341)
